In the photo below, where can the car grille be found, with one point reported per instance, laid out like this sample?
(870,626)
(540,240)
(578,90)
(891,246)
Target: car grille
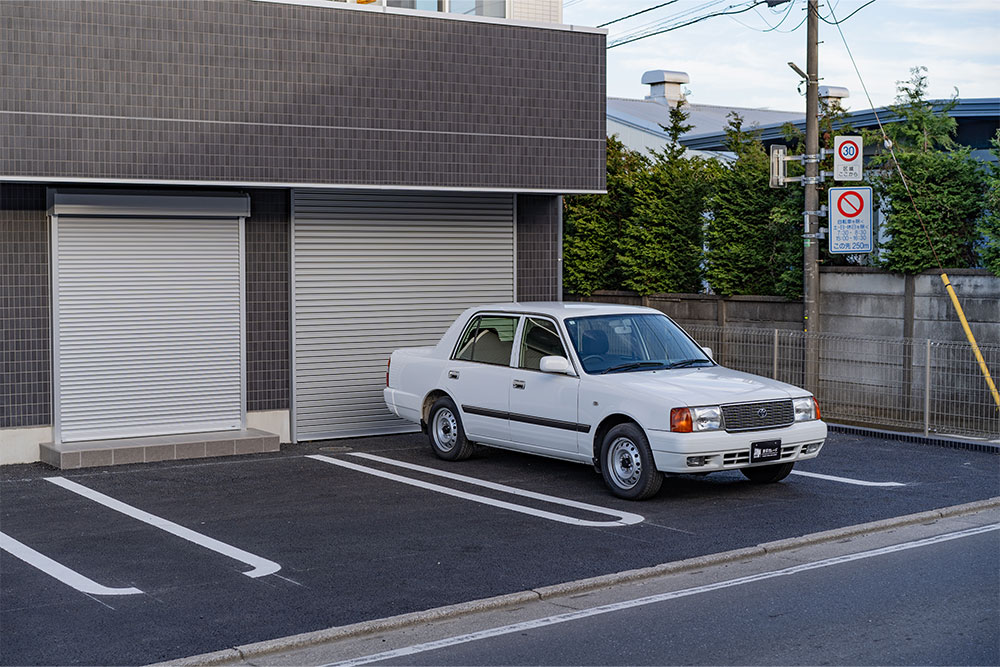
(757,416)
(742,458)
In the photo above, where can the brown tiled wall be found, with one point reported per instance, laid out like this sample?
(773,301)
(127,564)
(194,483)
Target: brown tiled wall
(235,90)
(25,345)
(266,237)
(538,248)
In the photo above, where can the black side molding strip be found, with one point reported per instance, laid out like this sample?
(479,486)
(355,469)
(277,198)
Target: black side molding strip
(527,419)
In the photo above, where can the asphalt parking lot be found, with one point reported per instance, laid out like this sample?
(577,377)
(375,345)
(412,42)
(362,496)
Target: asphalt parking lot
(192,557)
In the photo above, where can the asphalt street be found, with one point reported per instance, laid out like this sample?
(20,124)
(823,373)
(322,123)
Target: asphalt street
(377,539)
(924,594)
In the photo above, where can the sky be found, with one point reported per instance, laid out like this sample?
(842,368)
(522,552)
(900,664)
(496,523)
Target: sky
(740,61)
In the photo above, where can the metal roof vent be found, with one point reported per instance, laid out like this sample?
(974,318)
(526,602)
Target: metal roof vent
(665,86)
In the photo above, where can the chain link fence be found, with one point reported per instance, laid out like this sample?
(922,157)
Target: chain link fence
(908,384)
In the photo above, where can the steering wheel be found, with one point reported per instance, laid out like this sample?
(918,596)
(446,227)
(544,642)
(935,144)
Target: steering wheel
(596,357)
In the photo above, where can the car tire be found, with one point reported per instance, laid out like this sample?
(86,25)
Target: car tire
(768,474)
(446,433)
(627,463)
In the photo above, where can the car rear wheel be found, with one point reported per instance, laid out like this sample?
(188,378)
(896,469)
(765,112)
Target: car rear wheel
(627,463)
(446,433)
(768,474)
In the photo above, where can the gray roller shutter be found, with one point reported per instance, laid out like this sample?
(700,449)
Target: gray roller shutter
(148,323)
(376,271)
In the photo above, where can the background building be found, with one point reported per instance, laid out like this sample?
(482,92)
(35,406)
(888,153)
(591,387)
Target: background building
(224,215)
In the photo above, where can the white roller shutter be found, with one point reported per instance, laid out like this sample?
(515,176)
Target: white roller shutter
(148,326)
(373,272)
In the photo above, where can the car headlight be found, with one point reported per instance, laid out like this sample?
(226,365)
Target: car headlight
(806,408)
(688,420)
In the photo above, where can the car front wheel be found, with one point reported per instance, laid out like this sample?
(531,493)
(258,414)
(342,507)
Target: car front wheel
(768,474)
(627,463)
(446,433)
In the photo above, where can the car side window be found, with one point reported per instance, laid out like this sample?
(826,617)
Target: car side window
(540,339)
(489,339)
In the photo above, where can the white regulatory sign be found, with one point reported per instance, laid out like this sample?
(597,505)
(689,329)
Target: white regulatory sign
(848,158)
(850,211)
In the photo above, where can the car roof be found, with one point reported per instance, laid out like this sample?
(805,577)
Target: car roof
(564,309)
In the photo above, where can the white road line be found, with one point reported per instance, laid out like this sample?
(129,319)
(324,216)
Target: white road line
(58,570)
(624,518)
(653,599)
(261,566)
(844,480)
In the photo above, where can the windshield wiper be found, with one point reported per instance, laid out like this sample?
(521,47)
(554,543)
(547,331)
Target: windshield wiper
(631,365)
(684,363)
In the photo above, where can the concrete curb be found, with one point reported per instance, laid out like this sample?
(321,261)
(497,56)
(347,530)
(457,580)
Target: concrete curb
(937,440)
(259,649)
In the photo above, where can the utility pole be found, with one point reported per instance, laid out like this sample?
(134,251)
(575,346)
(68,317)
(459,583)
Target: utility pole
(811,160)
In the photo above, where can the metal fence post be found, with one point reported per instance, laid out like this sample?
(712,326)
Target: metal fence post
(927,389)
(774,373)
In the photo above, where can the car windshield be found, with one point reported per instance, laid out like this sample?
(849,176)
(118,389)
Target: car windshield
(628,343)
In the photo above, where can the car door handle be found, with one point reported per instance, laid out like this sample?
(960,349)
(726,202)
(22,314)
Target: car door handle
(518,384)
(452,375)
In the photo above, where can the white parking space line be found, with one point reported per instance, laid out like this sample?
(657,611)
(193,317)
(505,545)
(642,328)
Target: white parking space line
(261,566)
(623,518)
(653,599)
(58,570)
(844,480)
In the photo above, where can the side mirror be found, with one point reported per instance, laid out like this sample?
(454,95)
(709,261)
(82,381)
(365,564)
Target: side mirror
(708,351)
(554,364)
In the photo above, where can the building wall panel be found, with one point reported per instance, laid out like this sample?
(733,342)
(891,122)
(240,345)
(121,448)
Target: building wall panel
(25,321)
(256,92)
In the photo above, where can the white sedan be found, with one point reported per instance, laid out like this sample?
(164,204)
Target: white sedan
(621,387)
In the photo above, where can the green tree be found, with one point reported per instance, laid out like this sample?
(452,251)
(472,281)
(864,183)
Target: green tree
(989,226)
(946,190)
(661,245)
(753,240)
(592,224)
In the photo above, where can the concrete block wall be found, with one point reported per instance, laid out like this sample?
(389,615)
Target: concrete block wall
(854,301)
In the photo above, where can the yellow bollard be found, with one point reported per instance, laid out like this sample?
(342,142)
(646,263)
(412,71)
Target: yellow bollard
(972,339)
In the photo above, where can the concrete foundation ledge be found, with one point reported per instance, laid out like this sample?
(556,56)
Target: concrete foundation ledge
(93,453)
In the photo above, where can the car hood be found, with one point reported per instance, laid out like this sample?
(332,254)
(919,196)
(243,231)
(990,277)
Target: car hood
(713,385)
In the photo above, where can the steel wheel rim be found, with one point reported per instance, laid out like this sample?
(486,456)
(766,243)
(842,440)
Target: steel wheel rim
(445,429)
(624,463)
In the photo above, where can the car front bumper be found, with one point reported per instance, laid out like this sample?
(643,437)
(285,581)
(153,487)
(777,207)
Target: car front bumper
(718,450)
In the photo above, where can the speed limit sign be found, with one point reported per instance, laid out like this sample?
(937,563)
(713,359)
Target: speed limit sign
(848,155)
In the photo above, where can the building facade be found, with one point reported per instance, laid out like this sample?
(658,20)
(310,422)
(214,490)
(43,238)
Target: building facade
(225,214)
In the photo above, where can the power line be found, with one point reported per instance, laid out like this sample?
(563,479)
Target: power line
(629,40)
(648,9)
(656,23)
(838,22)
(783,18)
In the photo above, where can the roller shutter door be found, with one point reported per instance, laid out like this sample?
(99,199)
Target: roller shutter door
(374,272)
(148,326)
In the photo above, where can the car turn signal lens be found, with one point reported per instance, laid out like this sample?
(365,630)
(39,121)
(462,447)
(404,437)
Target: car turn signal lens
(680,420)
(816,403)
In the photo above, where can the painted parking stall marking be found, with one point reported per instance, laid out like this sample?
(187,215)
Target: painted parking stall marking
(845,480)
(58,570)
(622,518)
(261,566)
